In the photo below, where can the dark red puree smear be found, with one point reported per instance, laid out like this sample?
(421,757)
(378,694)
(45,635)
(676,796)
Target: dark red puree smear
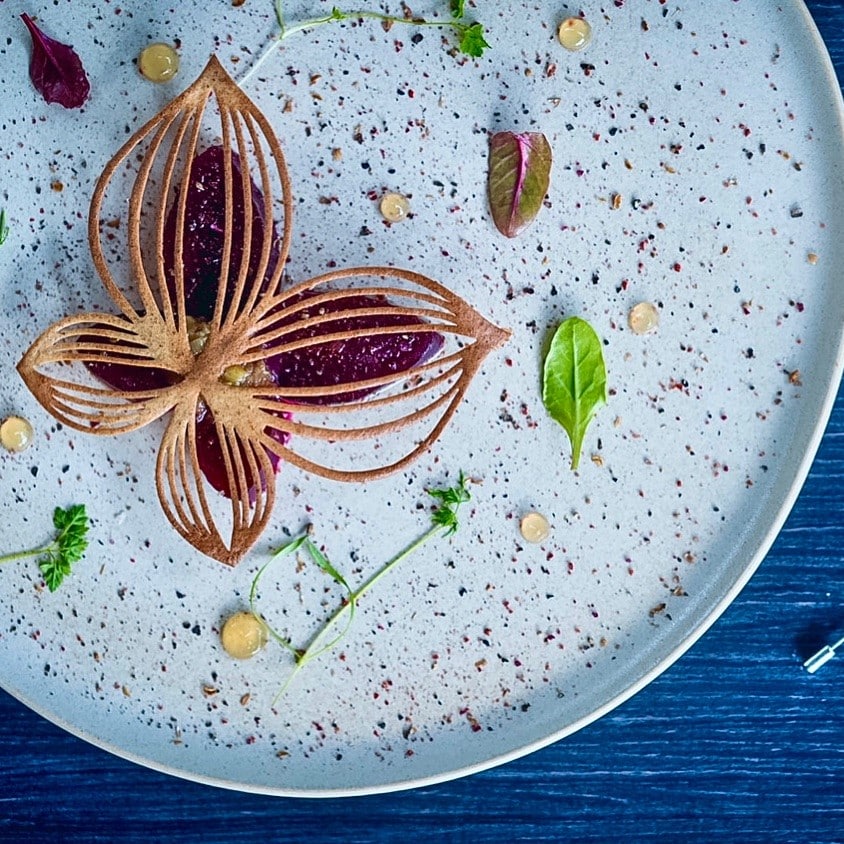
(323,364)
(355,359)
(205,229)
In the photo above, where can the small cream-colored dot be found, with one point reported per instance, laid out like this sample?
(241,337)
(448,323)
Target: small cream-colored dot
(574,33)
(235,375)
(643,318)
(812,258)
(243,635)
(16,433)
(394,207)
(534,527)
(158,62)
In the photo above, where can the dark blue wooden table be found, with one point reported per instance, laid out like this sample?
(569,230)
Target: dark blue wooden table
(735,742)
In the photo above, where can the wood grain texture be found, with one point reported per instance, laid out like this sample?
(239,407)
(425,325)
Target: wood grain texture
(735,742)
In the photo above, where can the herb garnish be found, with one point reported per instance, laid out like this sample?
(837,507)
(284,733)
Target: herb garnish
(4,228)
(443,521)
(574,383)
(470,34)
(58,556)
(519,175)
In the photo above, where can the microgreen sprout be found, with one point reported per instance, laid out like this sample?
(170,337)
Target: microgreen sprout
(68,546)
(4,227)
(443,522)
(469,33)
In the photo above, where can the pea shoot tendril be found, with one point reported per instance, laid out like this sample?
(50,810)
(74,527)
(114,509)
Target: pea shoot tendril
(468,33)
(443,522)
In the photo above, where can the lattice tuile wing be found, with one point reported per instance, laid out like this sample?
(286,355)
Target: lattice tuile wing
(252,324)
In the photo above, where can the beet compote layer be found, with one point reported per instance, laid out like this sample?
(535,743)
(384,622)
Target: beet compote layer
(329,363)
(204,233)
(360,358)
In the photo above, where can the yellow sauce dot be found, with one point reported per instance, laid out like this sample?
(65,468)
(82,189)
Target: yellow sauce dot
(243,635)
(198,331)
(235,375)
(643,318)
(394,207)
(534,527)
(16,433)
(158,62)
(574,33)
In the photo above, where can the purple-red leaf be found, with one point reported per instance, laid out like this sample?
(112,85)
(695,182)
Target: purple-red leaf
(519,175)
(55,69)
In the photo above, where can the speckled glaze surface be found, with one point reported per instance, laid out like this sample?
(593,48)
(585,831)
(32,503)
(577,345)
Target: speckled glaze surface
(719,128)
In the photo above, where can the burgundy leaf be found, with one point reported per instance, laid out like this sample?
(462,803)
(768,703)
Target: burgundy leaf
(519,175)
(56,70)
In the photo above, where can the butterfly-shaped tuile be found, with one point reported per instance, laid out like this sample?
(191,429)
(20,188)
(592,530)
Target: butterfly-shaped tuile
(255,320)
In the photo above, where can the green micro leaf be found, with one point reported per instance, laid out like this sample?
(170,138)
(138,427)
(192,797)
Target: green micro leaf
(57,557)
(519,176)
(4,227)
(458,8)
(325,565)
(472,41)
(574,383)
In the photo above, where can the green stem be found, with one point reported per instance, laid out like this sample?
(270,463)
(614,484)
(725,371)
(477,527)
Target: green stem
(287,31)
(366,15)
(313,650)
(337,16)
(33,552)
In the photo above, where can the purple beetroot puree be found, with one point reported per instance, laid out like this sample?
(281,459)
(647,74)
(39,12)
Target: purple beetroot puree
(323,364)
(205,229)
(209,453)
(132,379)
(346,361)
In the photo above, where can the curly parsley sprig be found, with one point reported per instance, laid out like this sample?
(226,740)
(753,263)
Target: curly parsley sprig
(58,556)
(444,522)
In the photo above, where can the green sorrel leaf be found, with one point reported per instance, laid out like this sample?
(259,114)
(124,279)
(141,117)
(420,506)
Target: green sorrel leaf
(574,383)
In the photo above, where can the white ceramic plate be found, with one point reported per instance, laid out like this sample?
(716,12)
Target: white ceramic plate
(718,124)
